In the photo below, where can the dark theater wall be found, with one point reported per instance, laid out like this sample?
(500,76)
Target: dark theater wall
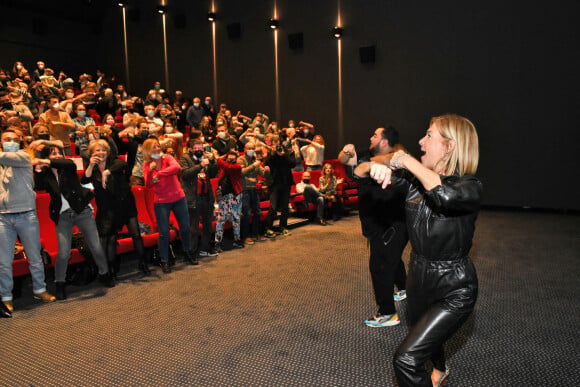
(512,69)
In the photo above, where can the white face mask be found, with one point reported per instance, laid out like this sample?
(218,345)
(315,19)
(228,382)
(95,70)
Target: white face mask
(156,156)
(91,137)
(70,95)
(168,129)
(222,135)
(56,106)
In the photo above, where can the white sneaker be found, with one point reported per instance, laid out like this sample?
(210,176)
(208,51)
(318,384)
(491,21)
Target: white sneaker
(400,295)
(385,320)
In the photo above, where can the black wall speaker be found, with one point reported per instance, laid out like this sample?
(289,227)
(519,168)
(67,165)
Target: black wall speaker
(234,31)
(179,21)
(39,26)
(367,54)
(134,15)
(296,41)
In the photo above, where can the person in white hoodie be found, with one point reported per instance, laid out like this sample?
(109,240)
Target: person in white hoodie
(18,219)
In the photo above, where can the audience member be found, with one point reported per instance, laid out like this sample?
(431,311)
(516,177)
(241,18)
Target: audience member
(313,153)
(18,219)
(69,207)
(197,168)
(160,173)
(328,186)
(115,203)
(251,169)
(59,124)
(229,198)
(224,143)
(194,114)
(312,195)
(280,161)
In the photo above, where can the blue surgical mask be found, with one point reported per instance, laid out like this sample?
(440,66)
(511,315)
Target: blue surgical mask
(82,114)
(156,156)
(11,147)
(250,153)
(150,113)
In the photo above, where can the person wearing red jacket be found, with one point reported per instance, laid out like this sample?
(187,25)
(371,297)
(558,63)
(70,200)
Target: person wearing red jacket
(160,172)
(228,195)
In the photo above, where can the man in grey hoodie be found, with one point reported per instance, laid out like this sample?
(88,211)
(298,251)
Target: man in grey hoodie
(18,218)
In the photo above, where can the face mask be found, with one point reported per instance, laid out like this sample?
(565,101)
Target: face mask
(144,133)
(156,156)
(19,67)
(45,136)
(274,127)
(150,113)
(306,131)
(258,123)
(207,103)
(168,129)
(110,122)
(70,95)
(11,147)
(91,137)
(250,153)
(82,114)
(196,105)
(157,87)
(257,131)
(56,106)
(220,123)
(222,135)
(291,125)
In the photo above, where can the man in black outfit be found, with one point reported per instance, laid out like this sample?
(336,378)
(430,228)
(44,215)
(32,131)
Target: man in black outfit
(383,224)
(197,168)
(280,161)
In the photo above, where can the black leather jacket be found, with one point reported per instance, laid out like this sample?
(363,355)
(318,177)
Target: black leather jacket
(441,222)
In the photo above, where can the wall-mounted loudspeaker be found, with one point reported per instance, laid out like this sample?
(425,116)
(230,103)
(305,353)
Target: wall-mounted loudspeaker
(179,21)
(39,26)
(367,54)
(234,31)
(296,41)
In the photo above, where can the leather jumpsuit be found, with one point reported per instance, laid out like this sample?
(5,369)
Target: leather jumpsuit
(442,282)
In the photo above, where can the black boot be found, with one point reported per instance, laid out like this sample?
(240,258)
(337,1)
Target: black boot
(143,268)
(165,267)
(191,258)
(60,291)
(107,280)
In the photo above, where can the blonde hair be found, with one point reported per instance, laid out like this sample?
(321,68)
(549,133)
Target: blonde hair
(102,143)
(326,165)
(147,147)
(464,157)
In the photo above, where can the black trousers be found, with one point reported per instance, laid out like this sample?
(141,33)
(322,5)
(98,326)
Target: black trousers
(279,200)
(385,264)
(440,297)
(202,213)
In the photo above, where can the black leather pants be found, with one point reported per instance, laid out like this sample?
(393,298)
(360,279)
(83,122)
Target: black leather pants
(440,295)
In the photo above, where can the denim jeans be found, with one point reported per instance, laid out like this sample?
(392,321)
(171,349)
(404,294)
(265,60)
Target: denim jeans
(162,212)
(24,225)
(64,231)
(250,206)
(313,196)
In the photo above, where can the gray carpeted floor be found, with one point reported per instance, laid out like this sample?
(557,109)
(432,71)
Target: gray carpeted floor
(290,312)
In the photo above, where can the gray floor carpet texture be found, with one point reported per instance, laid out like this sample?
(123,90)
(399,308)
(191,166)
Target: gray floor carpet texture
(290,312)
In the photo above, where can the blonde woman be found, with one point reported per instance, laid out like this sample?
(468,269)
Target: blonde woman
(160,172)
(116,205)
(442,203)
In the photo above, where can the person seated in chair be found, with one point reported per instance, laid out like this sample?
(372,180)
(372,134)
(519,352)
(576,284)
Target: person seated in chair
(312,195)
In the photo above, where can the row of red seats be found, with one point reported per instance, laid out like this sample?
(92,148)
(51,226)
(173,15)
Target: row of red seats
(144,197)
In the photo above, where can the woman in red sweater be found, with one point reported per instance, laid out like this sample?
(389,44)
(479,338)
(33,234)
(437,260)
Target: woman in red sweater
(160,173)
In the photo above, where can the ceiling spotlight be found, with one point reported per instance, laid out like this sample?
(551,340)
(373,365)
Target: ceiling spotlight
(161,9)
(122,4)
(337,32)
(273,24)
(211,16)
